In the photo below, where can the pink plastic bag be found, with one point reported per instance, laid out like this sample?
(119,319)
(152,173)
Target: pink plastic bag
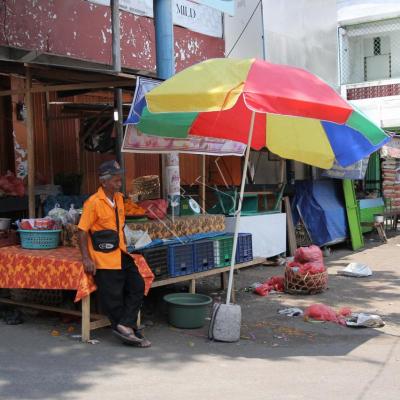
(275,283)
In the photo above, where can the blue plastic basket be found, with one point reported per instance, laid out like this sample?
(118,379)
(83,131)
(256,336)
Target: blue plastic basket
(203,255)
(180,259)
(244,251)
(39,240)
(157,259)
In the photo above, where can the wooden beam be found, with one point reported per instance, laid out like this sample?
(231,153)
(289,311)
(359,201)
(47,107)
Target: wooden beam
(199,275)
(72,86)
(30,144)
(290,227)
(49,138)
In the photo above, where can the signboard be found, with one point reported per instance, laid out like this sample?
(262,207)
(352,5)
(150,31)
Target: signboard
(392,149)
(196,17)
(354,172)
(137,142)
(226,6)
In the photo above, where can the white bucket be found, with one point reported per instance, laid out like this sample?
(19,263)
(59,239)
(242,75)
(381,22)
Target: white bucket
(378,219)
(5,224)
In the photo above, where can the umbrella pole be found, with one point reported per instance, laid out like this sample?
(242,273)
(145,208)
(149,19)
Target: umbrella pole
(239,209)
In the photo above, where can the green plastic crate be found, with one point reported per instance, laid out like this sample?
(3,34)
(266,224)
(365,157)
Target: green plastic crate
(223,246)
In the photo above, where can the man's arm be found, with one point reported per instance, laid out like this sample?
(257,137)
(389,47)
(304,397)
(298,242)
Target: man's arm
(88,263)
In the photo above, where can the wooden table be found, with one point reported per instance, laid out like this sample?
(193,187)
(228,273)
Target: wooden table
(62,269)
(59,269)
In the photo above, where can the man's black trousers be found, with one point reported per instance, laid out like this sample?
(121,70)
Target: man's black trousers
(121,292)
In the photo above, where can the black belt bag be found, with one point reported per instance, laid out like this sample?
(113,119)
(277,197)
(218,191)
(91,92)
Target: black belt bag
(106,240)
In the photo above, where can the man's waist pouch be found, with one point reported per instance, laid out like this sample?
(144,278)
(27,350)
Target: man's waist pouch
(105,241)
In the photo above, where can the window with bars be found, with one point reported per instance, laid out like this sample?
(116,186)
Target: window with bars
(370,51)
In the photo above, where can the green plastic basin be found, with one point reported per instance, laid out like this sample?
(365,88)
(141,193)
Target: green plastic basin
(187,310)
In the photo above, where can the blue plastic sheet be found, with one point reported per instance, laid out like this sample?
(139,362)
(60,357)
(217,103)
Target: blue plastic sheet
(322,208)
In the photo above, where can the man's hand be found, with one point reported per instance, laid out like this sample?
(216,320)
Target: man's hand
(88,266)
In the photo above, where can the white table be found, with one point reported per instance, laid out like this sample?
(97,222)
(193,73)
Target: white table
(268,230)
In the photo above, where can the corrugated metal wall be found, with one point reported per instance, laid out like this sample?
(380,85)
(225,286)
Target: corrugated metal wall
(63,132)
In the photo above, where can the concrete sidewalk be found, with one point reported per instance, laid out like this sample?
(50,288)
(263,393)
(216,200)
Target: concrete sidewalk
(278,358)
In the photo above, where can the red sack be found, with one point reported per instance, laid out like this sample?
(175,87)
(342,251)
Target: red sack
(155,209)
(322,312)
(308,254)
(311,258)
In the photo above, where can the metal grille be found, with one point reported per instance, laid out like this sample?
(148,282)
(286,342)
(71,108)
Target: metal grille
(370,51)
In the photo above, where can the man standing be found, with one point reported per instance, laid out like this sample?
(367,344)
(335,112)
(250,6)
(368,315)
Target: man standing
(121,281)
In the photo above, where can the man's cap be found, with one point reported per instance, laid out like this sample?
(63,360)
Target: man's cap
(110,168)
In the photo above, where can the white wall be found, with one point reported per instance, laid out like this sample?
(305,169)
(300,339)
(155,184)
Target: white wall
(303,33)
(251,43)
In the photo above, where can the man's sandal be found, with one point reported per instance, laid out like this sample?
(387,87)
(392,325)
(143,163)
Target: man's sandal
(131,337)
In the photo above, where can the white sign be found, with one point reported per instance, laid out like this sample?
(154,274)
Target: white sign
(196,17)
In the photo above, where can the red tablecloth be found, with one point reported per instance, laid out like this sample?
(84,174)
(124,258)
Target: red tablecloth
(60,268)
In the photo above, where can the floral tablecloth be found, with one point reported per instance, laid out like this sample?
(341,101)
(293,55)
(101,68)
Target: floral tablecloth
(60,268)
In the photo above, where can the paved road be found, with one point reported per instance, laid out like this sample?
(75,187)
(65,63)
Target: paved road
(278,357)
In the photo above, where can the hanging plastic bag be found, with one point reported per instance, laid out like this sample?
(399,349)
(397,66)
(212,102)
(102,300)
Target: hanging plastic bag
(59,214)
(73,215)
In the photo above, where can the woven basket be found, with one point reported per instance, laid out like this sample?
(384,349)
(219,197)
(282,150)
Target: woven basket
(146,187)
(296,283)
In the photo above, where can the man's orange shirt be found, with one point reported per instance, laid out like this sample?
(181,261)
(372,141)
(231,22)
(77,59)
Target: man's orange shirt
(98,214)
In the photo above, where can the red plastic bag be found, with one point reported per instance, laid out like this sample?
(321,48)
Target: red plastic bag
(275,283)
(322,312)
(155,209)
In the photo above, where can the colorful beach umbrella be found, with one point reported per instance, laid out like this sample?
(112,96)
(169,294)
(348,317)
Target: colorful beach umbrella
(297,115)
(288,110)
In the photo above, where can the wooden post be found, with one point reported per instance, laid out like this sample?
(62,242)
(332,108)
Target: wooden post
(192,288)
(203,181)
(49,138)
(31,144)
(86,318)
(290,227)
(282,172)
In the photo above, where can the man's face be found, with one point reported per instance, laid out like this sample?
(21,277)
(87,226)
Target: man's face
(113,184)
